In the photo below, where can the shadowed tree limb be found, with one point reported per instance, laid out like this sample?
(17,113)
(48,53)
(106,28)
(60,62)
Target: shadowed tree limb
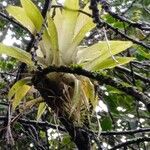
(35,123)
(47,125)
(43,124)
(104,79)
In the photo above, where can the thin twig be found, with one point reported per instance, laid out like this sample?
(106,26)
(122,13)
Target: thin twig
(136,75)
(129,142)
(14,22)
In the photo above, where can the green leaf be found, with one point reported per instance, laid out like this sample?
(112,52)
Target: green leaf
(17,86)
(20,15)
(112,104)
(99,52)
(20,94)
(33,13)
(66,140)
(106,124)
(41,110)
(111,63)
(17,53)
(118,98)
(143,53)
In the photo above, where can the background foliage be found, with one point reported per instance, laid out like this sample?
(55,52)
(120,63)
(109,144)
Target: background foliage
(123,117)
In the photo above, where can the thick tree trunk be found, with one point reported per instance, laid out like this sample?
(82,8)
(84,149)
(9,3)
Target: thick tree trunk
(52,92)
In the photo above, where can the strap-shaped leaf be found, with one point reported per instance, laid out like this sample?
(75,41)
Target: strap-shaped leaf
(99,52)
(41,109)
(33,13)
(69,17)
(17,53)
(58,21)
(88,89)
(83,19)
(76,99)
(143,53)
(53,34)
(20,94)
(81,34)
(45,47)
(17,86)
(31,103)
(111,63)
(72,51)
(53,40)
(20,15)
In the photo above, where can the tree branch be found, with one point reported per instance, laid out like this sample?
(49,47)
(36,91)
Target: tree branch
(36,123)
(141,26)
(128,132)
(129,142)
(136,75)
(43,125)
(104,79)
(47,6)
(100,23)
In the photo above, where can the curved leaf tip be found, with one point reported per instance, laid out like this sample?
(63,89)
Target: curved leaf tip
(17,53)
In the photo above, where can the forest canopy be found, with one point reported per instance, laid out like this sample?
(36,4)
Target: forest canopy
(75,74)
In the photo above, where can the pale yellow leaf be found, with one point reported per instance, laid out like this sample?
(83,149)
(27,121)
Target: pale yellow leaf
(33,13)
(53,34)
(45,47)
(20,94)
(53,40)
(83,19)
(89,91)
(69,18)
(17,53)
(76,96)
(72,51)
(17,86)
(111,63)
(99,52)
(58,21)
(20,15)
(41,110)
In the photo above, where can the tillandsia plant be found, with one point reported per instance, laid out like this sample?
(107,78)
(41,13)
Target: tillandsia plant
(71,97)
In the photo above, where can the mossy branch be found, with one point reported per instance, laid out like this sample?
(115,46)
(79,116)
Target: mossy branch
(103,79)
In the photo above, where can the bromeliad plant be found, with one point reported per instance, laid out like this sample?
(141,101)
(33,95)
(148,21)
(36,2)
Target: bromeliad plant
(68,95)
